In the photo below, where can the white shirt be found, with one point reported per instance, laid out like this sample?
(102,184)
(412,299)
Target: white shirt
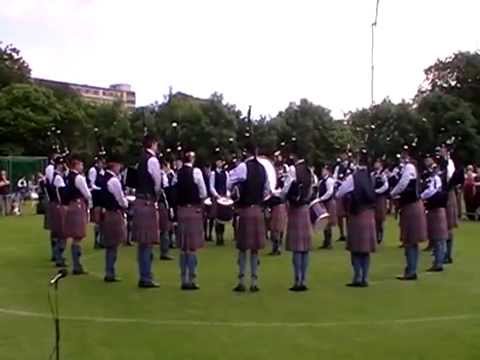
(384,187)
(81,185)
(114,186)
(58,181)
(450,169)
(213,191)
(409,173)
(153,167)
(239,175)
(49,171)
(198,180)
(330,185)
(346,187)
(434,186)
(92,177)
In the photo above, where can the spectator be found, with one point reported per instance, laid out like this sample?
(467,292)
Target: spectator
(20,195)
(4,194)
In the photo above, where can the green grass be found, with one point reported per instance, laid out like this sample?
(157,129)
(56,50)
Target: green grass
(436,318)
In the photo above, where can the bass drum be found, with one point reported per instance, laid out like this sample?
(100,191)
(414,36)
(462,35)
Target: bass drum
(319,215)
(270,170)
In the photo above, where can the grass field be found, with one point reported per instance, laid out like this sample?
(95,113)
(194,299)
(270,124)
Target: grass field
(437,317)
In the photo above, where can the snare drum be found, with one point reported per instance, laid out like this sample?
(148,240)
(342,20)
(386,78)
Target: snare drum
(224,210)
(318,215)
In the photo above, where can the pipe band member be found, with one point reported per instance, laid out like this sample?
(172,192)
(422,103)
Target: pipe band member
(79,201)
(191,193)
(113,227)
(251,178)
(95,178)
(326,194)
(359,194)
(381,187)
(435,197)
(145,224)
(413,223)
(218,188)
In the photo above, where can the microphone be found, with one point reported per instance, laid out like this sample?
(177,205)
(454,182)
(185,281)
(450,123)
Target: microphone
(61,274)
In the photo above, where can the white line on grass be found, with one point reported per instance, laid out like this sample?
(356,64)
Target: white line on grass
(246,324)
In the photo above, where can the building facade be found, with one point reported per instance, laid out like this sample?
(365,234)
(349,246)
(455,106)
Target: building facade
(95,94)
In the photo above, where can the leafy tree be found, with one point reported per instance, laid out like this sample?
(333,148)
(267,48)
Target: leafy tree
(13,68)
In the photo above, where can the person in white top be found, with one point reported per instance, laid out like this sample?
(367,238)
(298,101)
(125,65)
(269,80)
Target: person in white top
(94,179)
(326,195)
(114,228)
(218,189)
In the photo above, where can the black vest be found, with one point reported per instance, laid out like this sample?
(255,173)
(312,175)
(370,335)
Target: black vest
(252,189)
(145,183)
(363,196)
(322,188)
(378,182)
(300,191)
(411,193)
(221,182)
(72,193)
(108,199)
(187,190)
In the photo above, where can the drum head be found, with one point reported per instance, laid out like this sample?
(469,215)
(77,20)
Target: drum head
(207,202)
(225,201)
(130,198)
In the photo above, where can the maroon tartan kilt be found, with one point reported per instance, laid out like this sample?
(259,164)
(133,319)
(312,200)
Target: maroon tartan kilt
(413,223)
(58,215)
(452,210)
(362,235)
(164,222)
(76,220)
(145,228)
(380,208)
(190,228)
(340,207)
(278,219)
(114,228)
(250,232)
(96,215)
(299,229)
(437,224)
(331,206)
(211,211)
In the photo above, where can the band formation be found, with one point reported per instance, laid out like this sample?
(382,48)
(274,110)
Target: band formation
(169,203)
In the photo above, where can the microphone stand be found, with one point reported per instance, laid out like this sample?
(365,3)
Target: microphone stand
(56,319)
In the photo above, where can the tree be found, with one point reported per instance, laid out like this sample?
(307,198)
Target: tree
(13,68)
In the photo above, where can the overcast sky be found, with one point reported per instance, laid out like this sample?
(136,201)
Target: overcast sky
(258,52)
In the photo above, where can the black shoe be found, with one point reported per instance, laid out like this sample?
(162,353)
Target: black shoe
(435,269)
(52,259)
(61,265)
(448,261)
(129,243)
(194,286)
(428,249)
(303,288)
(240,288)
(364,284)
(295,288)
(354,284)
(109,279)
(220,243)
(166,258)
(147,285)
(407,277)
(79,272)
(254,289)
(326,247)
(342,239)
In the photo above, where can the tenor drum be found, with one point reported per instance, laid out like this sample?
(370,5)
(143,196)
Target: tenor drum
(224,210)
(318,215)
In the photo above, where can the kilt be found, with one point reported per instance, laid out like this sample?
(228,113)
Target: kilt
(413,223)
(452,210)
(164,222)
(331,206)
(96,215)
(340,207)
(76,220)
(362,233)
(190,228)
(380,208)
(145,228)
(278,219)
(114,228)
(299,229)
(57,219)
(437,224)
(250,230)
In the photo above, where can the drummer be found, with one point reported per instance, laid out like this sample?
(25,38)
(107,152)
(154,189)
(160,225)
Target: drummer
(326,195)
(298,192)
(218,189)
(381,185)
(278,208)
(342,170)
(191,193)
